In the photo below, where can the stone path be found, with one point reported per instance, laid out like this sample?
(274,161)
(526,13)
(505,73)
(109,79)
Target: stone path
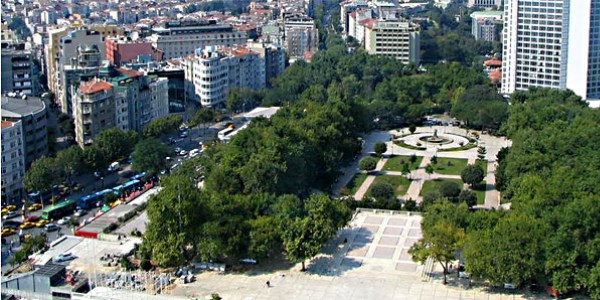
(362,190)
(418,178)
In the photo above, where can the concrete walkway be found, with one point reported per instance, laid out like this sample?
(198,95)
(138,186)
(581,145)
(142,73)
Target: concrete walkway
(418,178)
(492,196)
(360,193)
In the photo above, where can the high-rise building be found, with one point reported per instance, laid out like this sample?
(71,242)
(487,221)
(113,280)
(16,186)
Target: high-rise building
(31,111)
(13,161)
(182,38)
(394,38)
(554,44)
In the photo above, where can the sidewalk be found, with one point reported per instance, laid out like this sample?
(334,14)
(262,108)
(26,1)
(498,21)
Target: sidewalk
(418,178)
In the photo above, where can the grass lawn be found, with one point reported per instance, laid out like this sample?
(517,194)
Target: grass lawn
(431,186)
(355,183)
(400,183)
(483,164)
(395,163)
(479,190)
(456,165)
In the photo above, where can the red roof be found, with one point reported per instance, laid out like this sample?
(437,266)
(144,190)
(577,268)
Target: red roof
(129,72)
(93,86)
(6,124)
(494,62)
(368,22)
(496,75)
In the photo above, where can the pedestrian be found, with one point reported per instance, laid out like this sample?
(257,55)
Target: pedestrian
(268,284)
(345,240)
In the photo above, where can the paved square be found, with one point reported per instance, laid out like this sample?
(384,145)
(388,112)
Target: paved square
(392,231)
(367,267)
(389,240)
(384,252)
(369,229)
(396,221)
(373,220)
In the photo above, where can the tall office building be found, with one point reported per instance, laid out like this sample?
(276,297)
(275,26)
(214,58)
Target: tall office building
(552,43)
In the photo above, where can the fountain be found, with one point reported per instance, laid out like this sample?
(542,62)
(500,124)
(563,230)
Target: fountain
(435,139)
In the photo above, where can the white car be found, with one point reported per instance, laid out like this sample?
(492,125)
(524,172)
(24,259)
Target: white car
(63,221)
(183,153)
(177,149)
(195,152)
(510,286)
(64,257)
(80,212)
(464,275)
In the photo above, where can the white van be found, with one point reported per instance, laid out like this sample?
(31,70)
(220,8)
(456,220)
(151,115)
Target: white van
(114,166)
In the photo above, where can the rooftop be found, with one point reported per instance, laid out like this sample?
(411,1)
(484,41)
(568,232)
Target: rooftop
(487,14)
(18,107)
(95,85)
(6,124)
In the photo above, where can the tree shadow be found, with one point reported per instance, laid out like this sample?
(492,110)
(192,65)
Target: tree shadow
(333,259)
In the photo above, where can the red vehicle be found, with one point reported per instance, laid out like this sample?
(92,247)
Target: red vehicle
(32,219)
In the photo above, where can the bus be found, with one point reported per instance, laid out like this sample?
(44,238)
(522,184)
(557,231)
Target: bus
(92,200)
(59,210)
(222,135)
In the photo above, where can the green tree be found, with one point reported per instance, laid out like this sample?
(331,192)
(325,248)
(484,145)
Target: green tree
(304,237)
(94,158)
(71,161)
(265,238)
(203,116)
(481,151)
(149,156)
(439,242)
(412,128)
(380,148)
(241,99)
(175,216)
(367,163)
(429,169)
(472,175)
(481,107)
(434,160)
(504,254)
(162,125)
(382,191)
(468,197)
(41,175)
(449,189)
(115,143)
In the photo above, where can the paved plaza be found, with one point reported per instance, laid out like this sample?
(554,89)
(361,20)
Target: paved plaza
(372,264)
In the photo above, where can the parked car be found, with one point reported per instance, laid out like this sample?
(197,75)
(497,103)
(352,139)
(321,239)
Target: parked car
(34,207)
(27,225)
(7,232)
(183,153)
(32,219)
(51,227)
(177,149)
(114,166)
(510,286)
(11,215)
(80,212)
(64,257)
(41,223)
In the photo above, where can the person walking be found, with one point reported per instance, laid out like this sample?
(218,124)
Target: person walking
(268,284)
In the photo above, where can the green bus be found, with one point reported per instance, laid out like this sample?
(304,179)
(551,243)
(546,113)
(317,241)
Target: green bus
(59,210)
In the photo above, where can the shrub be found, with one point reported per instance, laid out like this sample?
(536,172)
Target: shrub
(110,228)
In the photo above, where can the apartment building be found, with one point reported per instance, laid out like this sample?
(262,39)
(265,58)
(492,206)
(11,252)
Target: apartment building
(212,71)
(31,112)
(94,109)
(19,74)
(84,66)
(53,48)
(159,96)
(301,36)
(393,38)
(121,50)
(485,3)
(553,44)
(182,38)
(13,161)
(484,25)
(274,57)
